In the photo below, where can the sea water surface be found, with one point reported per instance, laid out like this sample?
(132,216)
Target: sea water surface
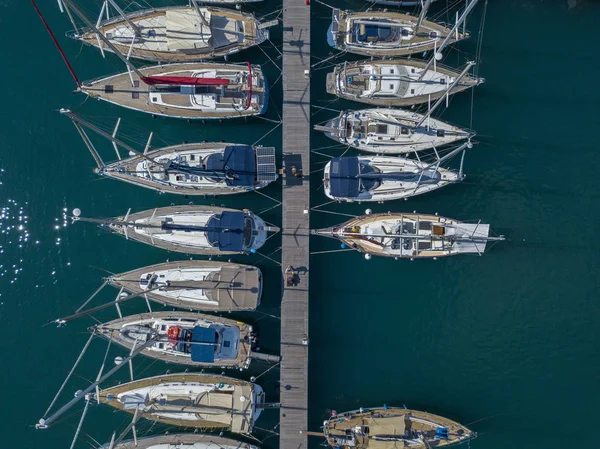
(505,343)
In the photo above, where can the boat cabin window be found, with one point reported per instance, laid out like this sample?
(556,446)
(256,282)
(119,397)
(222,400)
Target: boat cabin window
(226,344)
(423,245)
(404,131)
(180,177)
(163,327)
(248,232)
(192,157)
(382,129)
(161,346)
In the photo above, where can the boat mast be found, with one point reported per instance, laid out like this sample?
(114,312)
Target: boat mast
(44,423)
(133,26)
(443,97)
(82,16)
(424,9)
(199,11)
(445,42)
(68,11)
(77,120)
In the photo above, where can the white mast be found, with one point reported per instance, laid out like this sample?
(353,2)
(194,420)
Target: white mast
(424,8)
(82,16)
(445,42)
(133,26)
(441,99)
(199,11)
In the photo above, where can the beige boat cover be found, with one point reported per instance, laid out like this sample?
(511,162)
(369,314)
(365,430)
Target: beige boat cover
(242,292)
(185,29)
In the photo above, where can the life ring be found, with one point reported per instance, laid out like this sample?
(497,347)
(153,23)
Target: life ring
(173,333)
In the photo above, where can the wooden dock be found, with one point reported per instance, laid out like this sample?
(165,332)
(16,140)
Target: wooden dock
(296,231)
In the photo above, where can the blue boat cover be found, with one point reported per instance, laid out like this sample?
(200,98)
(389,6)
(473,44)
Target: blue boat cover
(237,162)
(343,179)
(226,231)
(203,353)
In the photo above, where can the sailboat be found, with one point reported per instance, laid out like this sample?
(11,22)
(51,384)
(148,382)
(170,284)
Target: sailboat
(173,34)
(203,285)
(215,168)
(391,131)
(410,236)
(191,229)
(185,338)
(393,427)
(389,33)
(385,178)
(192,91)
(196,285)
(397,82)
(200,401)
(183,441)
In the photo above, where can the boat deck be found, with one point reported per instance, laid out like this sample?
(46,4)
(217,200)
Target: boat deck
(296,201)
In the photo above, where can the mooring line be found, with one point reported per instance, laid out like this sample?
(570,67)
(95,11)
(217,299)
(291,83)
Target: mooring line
(273,129)
(332,251)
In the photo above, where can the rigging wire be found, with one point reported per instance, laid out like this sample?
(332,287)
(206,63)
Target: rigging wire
(478,58)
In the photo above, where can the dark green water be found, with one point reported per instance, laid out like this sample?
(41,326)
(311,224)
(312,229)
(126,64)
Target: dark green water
(505,341)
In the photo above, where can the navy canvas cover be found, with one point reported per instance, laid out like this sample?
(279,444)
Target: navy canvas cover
(226,231)
(200,352)
(237,162)
(343,181)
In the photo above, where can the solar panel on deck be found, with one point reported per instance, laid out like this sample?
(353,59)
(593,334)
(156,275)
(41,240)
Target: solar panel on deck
(266,168)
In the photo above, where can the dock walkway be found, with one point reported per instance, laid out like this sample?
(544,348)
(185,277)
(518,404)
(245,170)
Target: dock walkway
(296,231)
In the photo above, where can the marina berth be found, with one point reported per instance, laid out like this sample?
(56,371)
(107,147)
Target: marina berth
(411,236)
(391,131)
(391,428)
(202,285)
(385,178)
(182,441)
(191,91)
(186,169)
(387,33)
(192,229)
(184,338)
(396,82)
(176,33)
(198,401)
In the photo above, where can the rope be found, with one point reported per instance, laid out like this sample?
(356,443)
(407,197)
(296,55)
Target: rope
(267,196)
(335,213)
(324,4)
(267,257)
(70,374)
(265,372)
(325,108)
(341,53)
(60,50)
(478,58)
(274,128)
(332,251)
(265,53)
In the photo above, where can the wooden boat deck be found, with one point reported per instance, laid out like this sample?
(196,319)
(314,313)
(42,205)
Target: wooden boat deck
(166,56)
(295,238)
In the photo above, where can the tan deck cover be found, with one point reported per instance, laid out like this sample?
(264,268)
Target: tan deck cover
(243,291)
(185,29)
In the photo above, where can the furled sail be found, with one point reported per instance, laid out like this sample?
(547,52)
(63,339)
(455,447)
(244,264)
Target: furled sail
(184,81)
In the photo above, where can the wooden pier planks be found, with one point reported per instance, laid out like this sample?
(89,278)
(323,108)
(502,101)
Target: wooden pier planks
(295,249)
